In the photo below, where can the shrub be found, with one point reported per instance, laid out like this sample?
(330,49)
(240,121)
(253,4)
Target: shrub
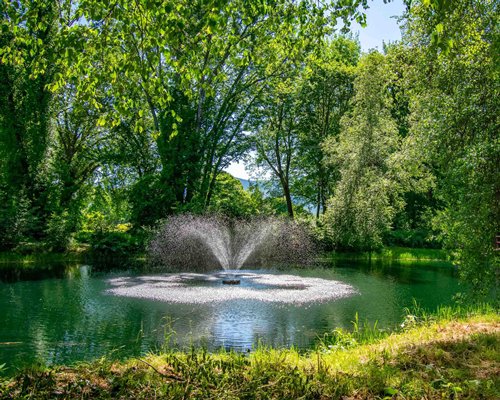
(420,238)
(108,244)
(59,231)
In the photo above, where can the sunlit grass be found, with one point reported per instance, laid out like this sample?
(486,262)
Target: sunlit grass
(399,254)
(27,259)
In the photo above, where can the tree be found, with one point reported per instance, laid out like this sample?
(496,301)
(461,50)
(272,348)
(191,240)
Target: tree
(368,194)
(455,111)
(412,225)
(28,47)
(324,97)
(303,107)
(275,136)
(77,144)
(231,199)
(150,99)
(38,40)
(200,67)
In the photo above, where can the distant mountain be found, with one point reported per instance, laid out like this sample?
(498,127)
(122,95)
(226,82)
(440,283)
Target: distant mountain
(247,182)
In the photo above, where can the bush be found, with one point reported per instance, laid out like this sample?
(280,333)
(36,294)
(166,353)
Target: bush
(26,248)
(59,229)
(417,238)
(108,244)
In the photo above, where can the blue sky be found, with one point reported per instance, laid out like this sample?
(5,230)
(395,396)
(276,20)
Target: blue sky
(381,27)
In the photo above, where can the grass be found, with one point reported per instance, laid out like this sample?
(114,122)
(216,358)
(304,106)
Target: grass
(41,261)
(453,353)
(38,260)
(401,254)
(9,257)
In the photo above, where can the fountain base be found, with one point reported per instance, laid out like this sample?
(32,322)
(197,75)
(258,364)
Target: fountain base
(231,282)
(192,288)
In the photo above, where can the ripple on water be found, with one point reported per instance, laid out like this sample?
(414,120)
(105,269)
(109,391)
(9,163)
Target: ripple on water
(191,288)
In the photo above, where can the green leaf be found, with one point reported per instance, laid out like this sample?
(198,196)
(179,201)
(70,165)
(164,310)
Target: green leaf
(390,391)
(101,121)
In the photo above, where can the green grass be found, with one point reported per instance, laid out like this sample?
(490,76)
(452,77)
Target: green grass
(453,353)
(401,254)
(12,257)
(43,260)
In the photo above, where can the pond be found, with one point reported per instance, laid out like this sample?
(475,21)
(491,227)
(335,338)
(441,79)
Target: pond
(65,314)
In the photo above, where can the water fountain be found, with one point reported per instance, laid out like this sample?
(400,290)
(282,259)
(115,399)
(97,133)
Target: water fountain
(205,245)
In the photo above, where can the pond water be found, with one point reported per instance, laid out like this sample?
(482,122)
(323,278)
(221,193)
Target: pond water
(65,314)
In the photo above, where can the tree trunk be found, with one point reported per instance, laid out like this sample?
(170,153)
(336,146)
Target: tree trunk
(288,198)
(318,200)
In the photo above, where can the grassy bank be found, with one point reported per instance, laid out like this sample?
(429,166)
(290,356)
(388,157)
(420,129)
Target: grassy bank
(400,254)
(9,257)
(454,354)
(42,260)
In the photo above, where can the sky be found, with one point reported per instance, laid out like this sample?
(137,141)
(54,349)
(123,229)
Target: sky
(381,27)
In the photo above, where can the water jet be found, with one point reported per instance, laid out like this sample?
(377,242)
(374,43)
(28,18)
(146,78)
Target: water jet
(206,243)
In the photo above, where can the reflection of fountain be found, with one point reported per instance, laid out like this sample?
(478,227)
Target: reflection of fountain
(203,242)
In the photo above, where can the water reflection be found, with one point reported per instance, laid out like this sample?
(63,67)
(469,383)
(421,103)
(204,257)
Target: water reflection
(66,315)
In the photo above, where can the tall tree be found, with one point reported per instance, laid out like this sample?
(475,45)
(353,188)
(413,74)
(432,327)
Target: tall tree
(455,123)
(77,145)
(275,135)
(201,68)
(325,97)
(368,194)
(28,48)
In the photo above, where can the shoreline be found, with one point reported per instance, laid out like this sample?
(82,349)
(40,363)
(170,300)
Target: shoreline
(398,254)
(453,353)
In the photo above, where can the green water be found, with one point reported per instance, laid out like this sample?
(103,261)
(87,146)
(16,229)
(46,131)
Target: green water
(63,314)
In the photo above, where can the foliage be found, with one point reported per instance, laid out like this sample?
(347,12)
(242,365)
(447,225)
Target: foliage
(455,127)
(275,138)
(366,152)
(59,231)
(302,109)
(413,226)
(114,244)
(149,200)
(416,238)
(231,199)
(398,254)
(27,42)
(201,68)
(160,94)
(325,97)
